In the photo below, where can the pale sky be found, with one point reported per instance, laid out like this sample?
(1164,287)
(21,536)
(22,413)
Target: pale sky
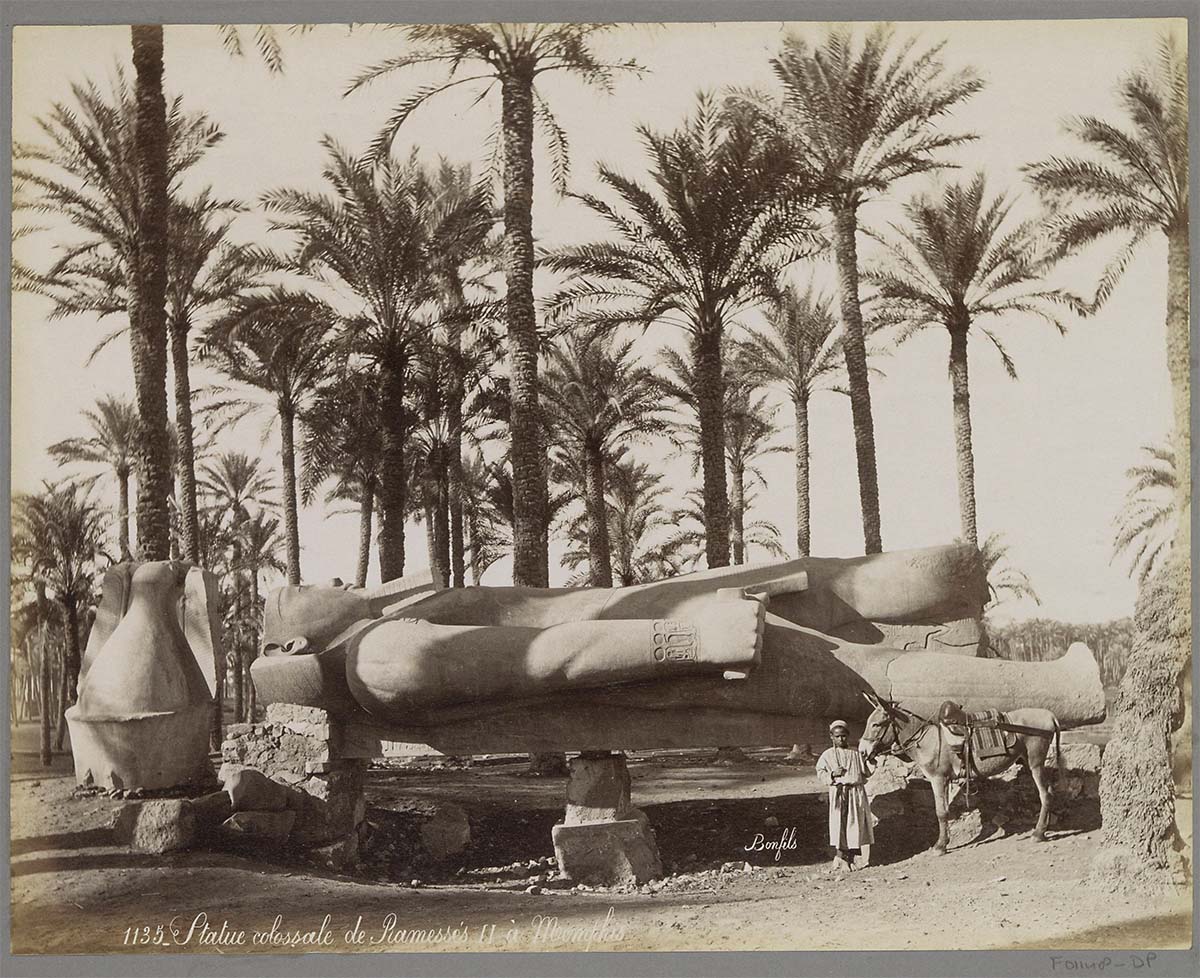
(1050,450)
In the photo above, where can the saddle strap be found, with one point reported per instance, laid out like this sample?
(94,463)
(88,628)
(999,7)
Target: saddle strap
(1027,731)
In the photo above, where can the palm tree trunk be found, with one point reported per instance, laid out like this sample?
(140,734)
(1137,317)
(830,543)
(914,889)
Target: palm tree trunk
(441,517)
(70,671)
(392,476)
(803,513)
(845,227)
(599,550)
(189,522)
(123,513)
(530,551)
(291,509)
(431,541)
(366,512)
(239,714)
(458,570)
(1179,369)
(256,607)
(710,402)
(454,419)
(44,700)
(473,532)
(963,453)
(216,725)
(147,297)
(737,513)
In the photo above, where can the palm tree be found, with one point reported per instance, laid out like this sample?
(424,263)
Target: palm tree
(275,341)
(635,512)
(147,291)
(460,236)
(232,482)
(684,548)
(260,545)
(596,398)
(860,119)
(957,263)
(343,440)
(59,534)
(371,238)
(748,427)
(1146,521)
(728,217)
(431,442)
(148,273)
(96,172)
(513,56)
(1005,581)
(486,535)
(204,271)
(1132,183)
(114,424)
(801,349)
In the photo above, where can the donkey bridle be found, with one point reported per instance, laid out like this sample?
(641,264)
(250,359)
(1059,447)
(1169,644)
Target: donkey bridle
(899,748)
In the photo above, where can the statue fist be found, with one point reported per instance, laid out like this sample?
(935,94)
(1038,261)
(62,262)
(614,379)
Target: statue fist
(730,631)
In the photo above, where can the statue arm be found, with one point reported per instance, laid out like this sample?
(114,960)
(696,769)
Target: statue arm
(401,668)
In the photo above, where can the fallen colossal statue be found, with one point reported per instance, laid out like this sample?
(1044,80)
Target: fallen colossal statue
(739,655)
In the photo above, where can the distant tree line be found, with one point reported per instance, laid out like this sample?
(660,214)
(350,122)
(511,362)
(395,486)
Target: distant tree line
(1040,639)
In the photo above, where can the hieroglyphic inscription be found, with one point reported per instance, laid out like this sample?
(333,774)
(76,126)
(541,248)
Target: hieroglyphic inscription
(675,641)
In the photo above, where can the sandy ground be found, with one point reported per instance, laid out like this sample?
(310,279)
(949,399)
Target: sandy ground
(75,892)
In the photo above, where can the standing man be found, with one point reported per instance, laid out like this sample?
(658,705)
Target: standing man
(845,770)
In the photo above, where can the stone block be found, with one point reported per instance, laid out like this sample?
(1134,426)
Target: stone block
(337,856)
(161,825)
(965,828)
(330,805)
(891,775)
(1081,757)
(210,811)
(598,789)
(253,791)
(890,805)
(608,853)
(258,828)
(446,833)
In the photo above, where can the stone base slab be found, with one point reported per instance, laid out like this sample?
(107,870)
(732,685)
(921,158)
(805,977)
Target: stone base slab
(161,750)
(608,853)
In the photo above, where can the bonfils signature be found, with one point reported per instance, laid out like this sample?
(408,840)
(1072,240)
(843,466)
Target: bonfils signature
(786,841)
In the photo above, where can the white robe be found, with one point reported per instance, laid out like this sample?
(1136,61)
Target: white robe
(847,765)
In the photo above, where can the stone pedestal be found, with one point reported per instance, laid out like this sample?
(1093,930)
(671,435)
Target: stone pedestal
(604,840)
(305,748)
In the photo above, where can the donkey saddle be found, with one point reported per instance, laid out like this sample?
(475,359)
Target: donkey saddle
(986,730)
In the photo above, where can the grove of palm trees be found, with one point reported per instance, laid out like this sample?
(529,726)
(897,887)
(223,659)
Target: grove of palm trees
(560,305)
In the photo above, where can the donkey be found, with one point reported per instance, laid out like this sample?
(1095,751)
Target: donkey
(891,729)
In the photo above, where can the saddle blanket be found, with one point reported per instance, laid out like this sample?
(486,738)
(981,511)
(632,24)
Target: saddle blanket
(987,739)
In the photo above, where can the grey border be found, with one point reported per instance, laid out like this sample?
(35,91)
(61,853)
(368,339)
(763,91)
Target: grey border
(951,964)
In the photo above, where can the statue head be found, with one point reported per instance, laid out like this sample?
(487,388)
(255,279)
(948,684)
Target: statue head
(303,619)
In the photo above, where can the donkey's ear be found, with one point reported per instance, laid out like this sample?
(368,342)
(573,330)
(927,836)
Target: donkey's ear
(871,698)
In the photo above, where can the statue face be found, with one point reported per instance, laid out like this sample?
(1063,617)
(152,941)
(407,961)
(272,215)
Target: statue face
(304,619)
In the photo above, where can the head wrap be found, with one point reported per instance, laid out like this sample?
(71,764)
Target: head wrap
(842,724)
